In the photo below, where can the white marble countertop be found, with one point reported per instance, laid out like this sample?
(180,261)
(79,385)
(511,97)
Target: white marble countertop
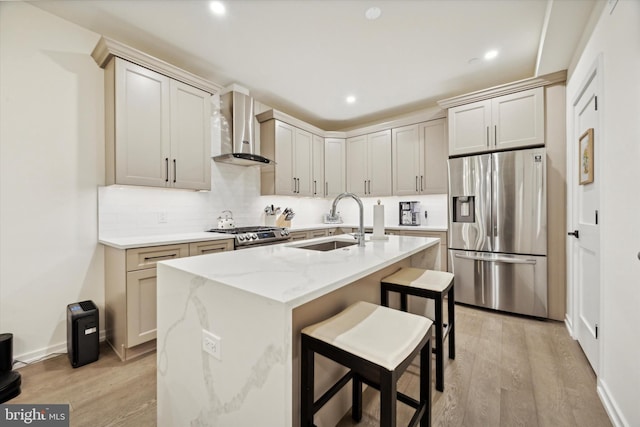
(293,276)
(161,239)
(130,242)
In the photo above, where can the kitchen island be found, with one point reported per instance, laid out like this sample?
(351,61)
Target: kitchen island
(256,301)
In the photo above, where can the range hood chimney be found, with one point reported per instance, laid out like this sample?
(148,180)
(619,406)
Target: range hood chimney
(237,131)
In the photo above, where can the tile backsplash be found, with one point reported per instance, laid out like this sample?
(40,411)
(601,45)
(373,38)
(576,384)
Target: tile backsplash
(126,211)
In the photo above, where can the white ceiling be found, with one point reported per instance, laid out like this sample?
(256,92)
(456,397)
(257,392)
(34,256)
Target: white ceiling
(305,56)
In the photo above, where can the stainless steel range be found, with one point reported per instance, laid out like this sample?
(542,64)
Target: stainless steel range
(248,237)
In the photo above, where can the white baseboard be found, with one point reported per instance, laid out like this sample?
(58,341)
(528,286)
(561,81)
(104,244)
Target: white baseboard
(24,359)
(615,415)
(569,325)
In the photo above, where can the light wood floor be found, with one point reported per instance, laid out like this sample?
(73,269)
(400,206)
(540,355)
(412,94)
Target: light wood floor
(508,371)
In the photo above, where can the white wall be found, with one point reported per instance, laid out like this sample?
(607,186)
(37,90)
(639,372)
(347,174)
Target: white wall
(51,162)
(617,37)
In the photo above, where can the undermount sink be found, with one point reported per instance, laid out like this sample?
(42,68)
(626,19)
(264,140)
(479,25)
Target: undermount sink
(327,246)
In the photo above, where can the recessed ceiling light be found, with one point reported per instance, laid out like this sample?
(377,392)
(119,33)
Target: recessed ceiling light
(373,13)
(217,7)
(491,54)
(351,99)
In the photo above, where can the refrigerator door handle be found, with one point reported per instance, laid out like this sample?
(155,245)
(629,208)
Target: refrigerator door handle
(497,259)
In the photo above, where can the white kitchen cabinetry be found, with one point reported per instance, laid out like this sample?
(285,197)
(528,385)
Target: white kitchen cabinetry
(419,155)
(130,292)
(369,164)
(317,184)
(335,176)
(157,129)
(509,121)
(292,149)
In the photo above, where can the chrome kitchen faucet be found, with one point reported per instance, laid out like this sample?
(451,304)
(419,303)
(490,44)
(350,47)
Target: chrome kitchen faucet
(360,234)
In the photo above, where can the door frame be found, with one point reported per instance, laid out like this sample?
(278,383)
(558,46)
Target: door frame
(573,290)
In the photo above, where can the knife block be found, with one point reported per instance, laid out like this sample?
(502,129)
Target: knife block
(281,222)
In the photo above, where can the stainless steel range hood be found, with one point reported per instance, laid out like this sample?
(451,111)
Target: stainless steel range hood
(237,131)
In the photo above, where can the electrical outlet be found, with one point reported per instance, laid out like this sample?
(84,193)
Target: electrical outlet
(212,344)
(163,217)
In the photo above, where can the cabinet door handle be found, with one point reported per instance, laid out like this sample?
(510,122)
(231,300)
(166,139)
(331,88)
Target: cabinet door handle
(298,185)
(166,169)
(369,186)
(421,183)
(315,187)
(495,135)
(416,183)
(487,136)
(293,189)
(175,170)
(326,188)
(365,186)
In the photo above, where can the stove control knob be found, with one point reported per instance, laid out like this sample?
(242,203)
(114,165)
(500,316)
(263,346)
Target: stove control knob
(241,237)
(254,236)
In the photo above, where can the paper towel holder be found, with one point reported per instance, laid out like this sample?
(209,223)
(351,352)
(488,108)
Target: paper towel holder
(378,223)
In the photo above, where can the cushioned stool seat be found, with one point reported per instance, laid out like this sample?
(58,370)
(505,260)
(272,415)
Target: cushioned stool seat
(433,285)
(377,344)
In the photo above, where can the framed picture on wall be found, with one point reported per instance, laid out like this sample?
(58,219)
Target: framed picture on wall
(585,157)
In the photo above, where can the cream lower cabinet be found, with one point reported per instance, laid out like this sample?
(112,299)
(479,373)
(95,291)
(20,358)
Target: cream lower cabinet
(130,292)
(308,234)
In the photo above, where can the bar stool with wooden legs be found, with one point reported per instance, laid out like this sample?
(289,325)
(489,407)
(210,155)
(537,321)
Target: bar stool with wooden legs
(430,284)
(377,344)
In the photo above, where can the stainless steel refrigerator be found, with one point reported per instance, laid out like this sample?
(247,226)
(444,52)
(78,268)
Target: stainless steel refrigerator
(498,230)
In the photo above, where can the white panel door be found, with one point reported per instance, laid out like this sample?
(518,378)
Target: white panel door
(405,146)
(585,267)
(317,184)
(379,167)
(335,166)
(190,163)
(518,119)
(142,126)
(357,165)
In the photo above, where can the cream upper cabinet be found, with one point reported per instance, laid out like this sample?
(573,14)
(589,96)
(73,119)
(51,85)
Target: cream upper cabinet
(369,164)
(317,184)
(190,137)
(334,166)
(303,164)
(419,155)
(157,129)
(433,142)
(508,121)
(292,149)
(407,167)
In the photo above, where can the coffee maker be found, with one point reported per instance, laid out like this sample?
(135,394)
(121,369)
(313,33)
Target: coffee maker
(409,213)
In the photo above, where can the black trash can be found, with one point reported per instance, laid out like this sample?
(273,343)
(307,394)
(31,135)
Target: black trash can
(83,333)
